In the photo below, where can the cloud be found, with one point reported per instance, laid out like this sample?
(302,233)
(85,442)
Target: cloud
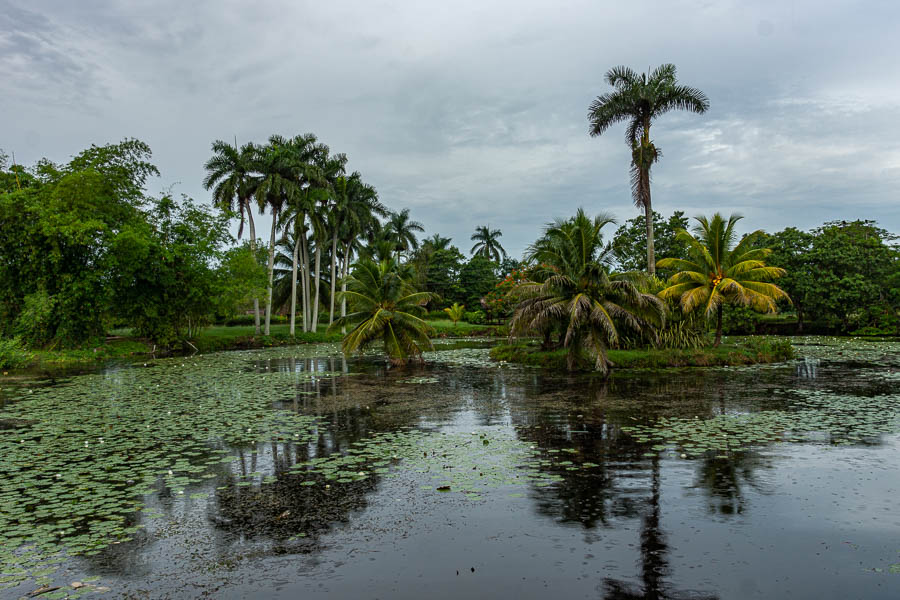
(473,113)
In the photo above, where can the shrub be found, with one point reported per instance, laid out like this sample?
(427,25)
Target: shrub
(34,325)
(475,317)
(13,354)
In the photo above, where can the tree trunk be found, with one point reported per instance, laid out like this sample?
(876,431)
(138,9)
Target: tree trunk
(799,320)
(253,251)
(294,284)
(304,271)
(648,212)
(315,314)
(718,327)
(344,284)
(271,275)
(333,273)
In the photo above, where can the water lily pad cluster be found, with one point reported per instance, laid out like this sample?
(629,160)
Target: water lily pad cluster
(469,462)
(78,456)
(815,415)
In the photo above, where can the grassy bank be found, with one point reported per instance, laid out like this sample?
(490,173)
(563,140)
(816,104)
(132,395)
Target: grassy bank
(751,350)
(211,339)
(447,327)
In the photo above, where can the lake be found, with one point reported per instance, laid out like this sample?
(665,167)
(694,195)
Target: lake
(293,472)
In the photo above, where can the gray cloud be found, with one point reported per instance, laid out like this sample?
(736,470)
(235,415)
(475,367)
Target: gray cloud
(472,113)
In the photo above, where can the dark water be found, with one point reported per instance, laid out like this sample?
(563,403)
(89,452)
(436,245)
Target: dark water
(780,520)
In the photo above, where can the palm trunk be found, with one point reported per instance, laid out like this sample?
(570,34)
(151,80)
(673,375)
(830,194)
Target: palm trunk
(315,314)
(333,273)
(305,272)
(718,327)
(344,284)
(253,251)
(294,285)
(271,275)
(648,212)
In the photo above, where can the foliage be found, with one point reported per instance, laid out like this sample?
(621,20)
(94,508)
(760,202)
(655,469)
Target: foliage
(476,317)
(846,274)
(573,290)
(501,301)
(34,325)
(487,245)
(241,277)
(455,312)
(720,272)
(384,306)
(13,354)
(476,279)
(443,274)
(629,244)
(170,300)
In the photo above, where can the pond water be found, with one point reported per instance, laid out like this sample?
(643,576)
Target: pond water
(293,472)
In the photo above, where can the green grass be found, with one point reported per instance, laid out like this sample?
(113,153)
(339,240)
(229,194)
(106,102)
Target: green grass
(752,350)
(446,326)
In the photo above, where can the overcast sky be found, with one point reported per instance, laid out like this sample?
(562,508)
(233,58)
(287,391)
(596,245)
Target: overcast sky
(474,113)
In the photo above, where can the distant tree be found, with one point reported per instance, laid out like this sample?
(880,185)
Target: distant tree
(629,243)
(639,99)
(487,244)
(402,231)
(476,279)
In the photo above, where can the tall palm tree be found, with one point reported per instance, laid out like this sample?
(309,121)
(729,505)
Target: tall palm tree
(487,244)
(437,242)
(284,169)
(229,172)
(718,271)
(639,99)
(402,230)
(384,306)
(331,169)
(573,290)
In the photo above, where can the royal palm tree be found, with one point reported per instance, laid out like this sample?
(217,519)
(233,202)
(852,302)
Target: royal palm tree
(229,173)
(719,272)
(639,99)
(402,230)
(384,306)
(572,289)
(487,244)
(284,167)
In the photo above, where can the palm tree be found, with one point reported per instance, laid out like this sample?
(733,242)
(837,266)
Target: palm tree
(487,244)
(572,289)
(229,172)
(284,168)
(402,230)
(639,99)
(384,306)
(718,271)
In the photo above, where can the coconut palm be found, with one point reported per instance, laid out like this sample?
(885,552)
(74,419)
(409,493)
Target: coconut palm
(487,244)
(719,272)
(639,99)
(573,290)
(402,230)
(384,306)
(229,172)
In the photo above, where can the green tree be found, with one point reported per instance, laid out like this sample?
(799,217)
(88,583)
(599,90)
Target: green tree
(854,267)
(573,290)
(402,231)
(229,173)
(640,99)
(476,278)
(791,251)
(384,306)
(629,243)
(719,272)
(487,244)
(443,274)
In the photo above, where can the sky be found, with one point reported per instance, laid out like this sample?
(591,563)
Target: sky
(475,113)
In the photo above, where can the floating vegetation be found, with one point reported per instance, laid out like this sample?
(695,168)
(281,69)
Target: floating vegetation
(420,380)
(463,357)
(815,416)
(79,456)
(469,463)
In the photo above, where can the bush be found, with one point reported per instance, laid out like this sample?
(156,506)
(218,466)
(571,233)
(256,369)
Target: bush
(13,354)
(34,325)
(739,320)
(769,349)
(475,317)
